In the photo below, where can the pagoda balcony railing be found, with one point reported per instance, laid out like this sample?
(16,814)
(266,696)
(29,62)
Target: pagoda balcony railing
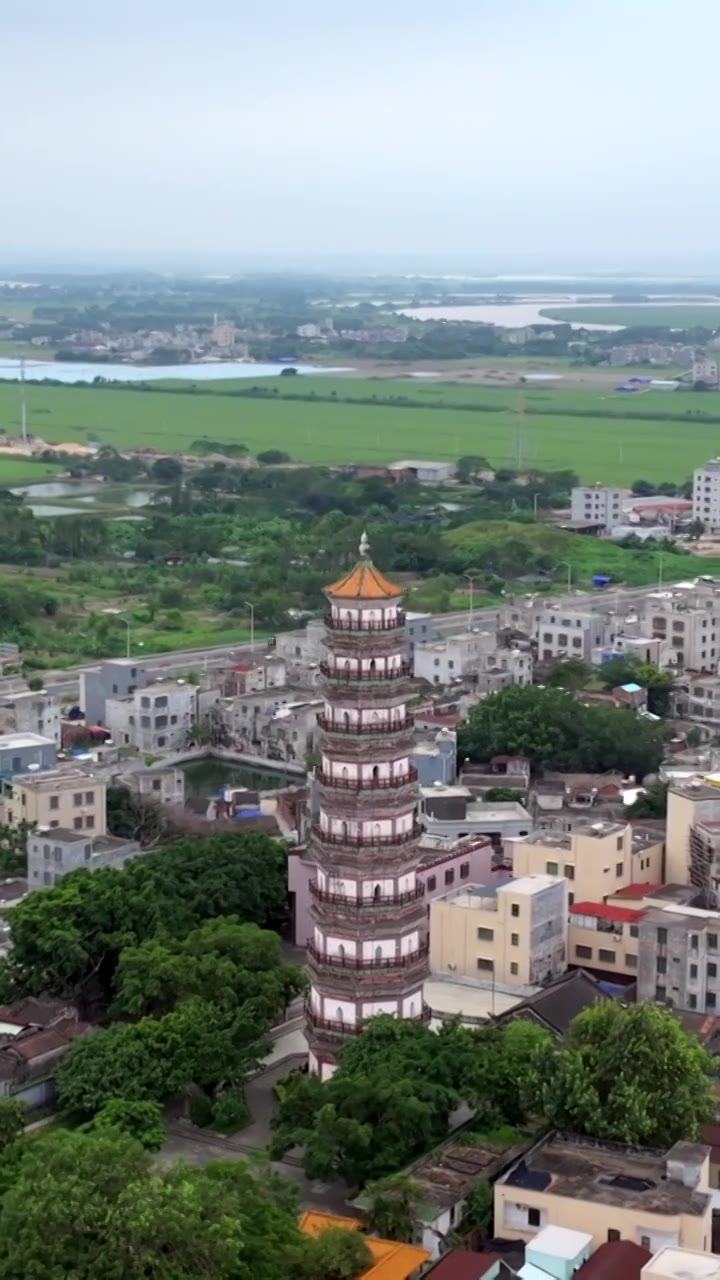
(401,672)
(359,904)
(365,730)
(357,963)
(368,841)
(335,1027)
(366,784)
(353,624)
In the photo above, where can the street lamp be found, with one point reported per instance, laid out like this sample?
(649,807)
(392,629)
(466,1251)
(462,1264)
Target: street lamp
(117,614)
(565,564)
(251,607)
(471,579)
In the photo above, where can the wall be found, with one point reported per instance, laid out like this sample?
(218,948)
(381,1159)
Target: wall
(72,802)
(620,943)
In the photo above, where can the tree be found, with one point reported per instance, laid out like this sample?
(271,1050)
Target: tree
(695,530)
(572,674)
(470,467)
(272,458)
(495,795)
(136,817)
(625,1074)
(626,669)
(89,1205)
(651,803)
(555,731)
(166,470)
(12,1121)
(478,1210)
(336,1254)
(140,1120)
(643,488)
(13,848)
(392,1206)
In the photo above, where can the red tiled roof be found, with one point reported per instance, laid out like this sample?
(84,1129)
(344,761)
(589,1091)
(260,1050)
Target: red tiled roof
(462,1264)
(615,1259)
(639,890)
(605,911)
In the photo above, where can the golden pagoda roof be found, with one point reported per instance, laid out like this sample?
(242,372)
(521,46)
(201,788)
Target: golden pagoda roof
(364,581)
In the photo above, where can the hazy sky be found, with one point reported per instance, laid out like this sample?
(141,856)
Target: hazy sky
(516,132)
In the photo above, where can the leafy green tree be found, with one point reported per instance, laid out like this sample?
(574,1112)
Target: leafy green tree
(392,1207)
(652,803)
(273,457)
(628,669)
(571,674)
(626,1074)
(140,1120)
(166,470)
(13,848)
(495,795)
(136,817)
(336,1254)
(12,1121)
(478,1210)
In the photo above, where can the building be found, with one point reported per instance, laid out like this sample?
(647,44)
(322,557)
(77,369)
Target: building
(597,858)
(425,472)
(706,369)
(609,1191)
(557,1004)
(476,654)
(616,1258)
(693,836)
(510,934)
(570,633)
(163,785)
(679,957)
(35,1035)
(52,854)
(604,936)
(366,956)
(687,618)
(455,814)
(223,334)
(465,1264)
(670,1263)
(270,672)
(391,1259)
(113,678)
(557,1252)
(599,503)
(435,757)
(30,712)
(706,495)
(70,798)
(154,718)
(418,630)
(22,751)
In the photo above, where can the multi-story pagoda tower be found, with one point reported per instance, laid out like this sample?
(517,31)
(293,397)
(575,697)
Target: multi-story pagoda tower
(366,956)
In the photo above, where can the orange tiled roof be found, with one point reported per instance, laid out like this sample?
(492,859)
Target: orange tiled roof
(364,582)
(391,1261)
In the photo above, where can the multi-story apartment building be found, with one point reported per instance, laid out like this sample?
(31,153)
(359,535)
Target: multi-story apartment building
(22,751)
(608,1191)
(114,678)
(597,859)
(706,495)
(603,936)
(154,718)
(687,618)
(164,786)
(693,837)
(73,799)
(32,712)
(697,697)
(562,632)
(598,504)
(511,934)
(476,654)
(270,672)
(679,958)
(52,854)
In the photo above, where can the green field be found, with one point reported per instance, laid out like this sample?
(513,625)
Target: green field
(674,315)
(19,471)
(623,442)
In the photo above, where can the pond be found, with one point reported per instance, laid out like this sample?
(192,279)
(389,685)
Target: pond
(207,777)
(91,493)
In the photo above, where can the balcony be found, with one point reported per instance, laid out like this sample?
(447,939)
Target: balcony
(377,729)
(401,672)
(357,964)
(330,1027)
(366,842)
(352,624)
(366,784)
(360,904)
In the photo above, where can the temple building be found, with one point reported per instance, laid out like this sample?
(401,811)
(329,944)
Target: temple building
(366,955)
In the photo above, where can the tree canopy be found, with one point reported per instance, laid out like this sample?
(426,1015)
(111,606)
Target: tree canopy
(627,668)
(556,731)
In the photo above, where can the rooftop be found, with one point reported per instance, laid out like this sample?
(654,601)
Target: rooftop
(391,1260)
(561,1242)
(580,1168)
(462,1264)
(615,1259)
(16,741)
(555,1005)
(606,911)
(684,1264)
(446,1174)
(364,581)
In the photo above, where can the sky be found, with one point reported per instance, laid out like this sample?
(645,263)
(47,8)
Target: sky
(511,135)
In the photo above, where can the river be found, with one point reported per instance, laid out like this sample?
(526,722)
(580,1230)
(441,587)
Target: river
(511,315)
(70,371)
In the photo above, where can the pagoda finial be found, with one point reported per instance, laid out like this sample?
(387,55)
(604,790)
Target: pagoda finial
(364,546)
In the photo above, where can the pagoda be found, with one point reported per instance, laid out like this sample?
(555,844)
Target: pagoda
(367,954)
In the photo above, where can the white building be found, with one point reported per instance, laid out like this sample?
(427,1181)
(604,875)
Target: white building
(706,369)
(154,719)
(476,654)
(706,495)
(32,712)
(687,618)
(597,504)
(562,633)
(424,471)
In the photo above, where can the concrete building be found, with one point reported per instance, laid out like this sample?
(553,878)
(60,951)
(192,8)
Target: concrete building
(22,751)
(35,1035)
(435,757)
(425,472)
(52,854)
(269,672)
(418,630)
(610,1192)
(154,718)
(697,697)
(453,812)
(73,799)
(597,859)
(603,937)
(687,618)
(30,712)
(164,785)
(512,934)
(597,503)
(113,678)
(476,654)
(692,837)
(679,958)
(670,1263)
(571,633)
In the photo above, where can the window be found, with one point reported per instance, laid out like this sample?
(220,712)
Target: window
(77,798)
(631,962)
(645,1243)
(712,942)
(661,964)
(551,868)
(710,1000)
(533,1217)
(77,823)
(571,899)
(54,802)
(712,970)
(514,968)
(633,931)
(485,935)
(464,870)
(619,844)
(161,742)
(607,957)
(619,868)
(662,937)
(515,909)
(58,855)
(173,719)
(584,953)
(693,971)
(514,940)
(569,871)
(89,797)
(431,883)
(161,722)
(157,784)
(577,642)
(161,701)
(450,877)
(613,1234)
(89,821)
(693,942)
(485,964)
(692,1002)
(660,993)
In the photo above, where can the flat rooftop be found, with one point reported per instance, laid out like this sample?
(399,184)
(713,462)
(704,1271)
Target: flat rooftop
(607,1173)
(471,1002)
(685,1264)
(16,741)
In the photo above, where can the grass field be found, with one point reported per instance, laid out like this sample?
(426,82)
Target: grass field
(19,471)
(674,315)
(618,446)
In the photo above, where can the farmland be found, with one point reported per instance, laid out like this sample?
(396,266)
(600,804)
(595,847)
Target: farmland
(597,432)
(674,315)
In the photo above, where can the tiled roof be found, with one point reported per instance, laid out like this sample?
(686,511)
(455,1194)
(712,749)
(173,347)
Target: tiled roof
(640,890)
(604,911)
(556,1005)
(391,1261)
(363,582)
(615,1259)
(462,1264)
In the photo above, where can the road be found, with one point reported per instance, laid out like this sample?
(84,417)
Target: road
(66,684)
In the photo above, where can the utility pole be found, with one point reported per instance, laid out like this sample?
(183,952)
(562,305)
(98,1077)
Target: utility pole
(23,405)
(471,579)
